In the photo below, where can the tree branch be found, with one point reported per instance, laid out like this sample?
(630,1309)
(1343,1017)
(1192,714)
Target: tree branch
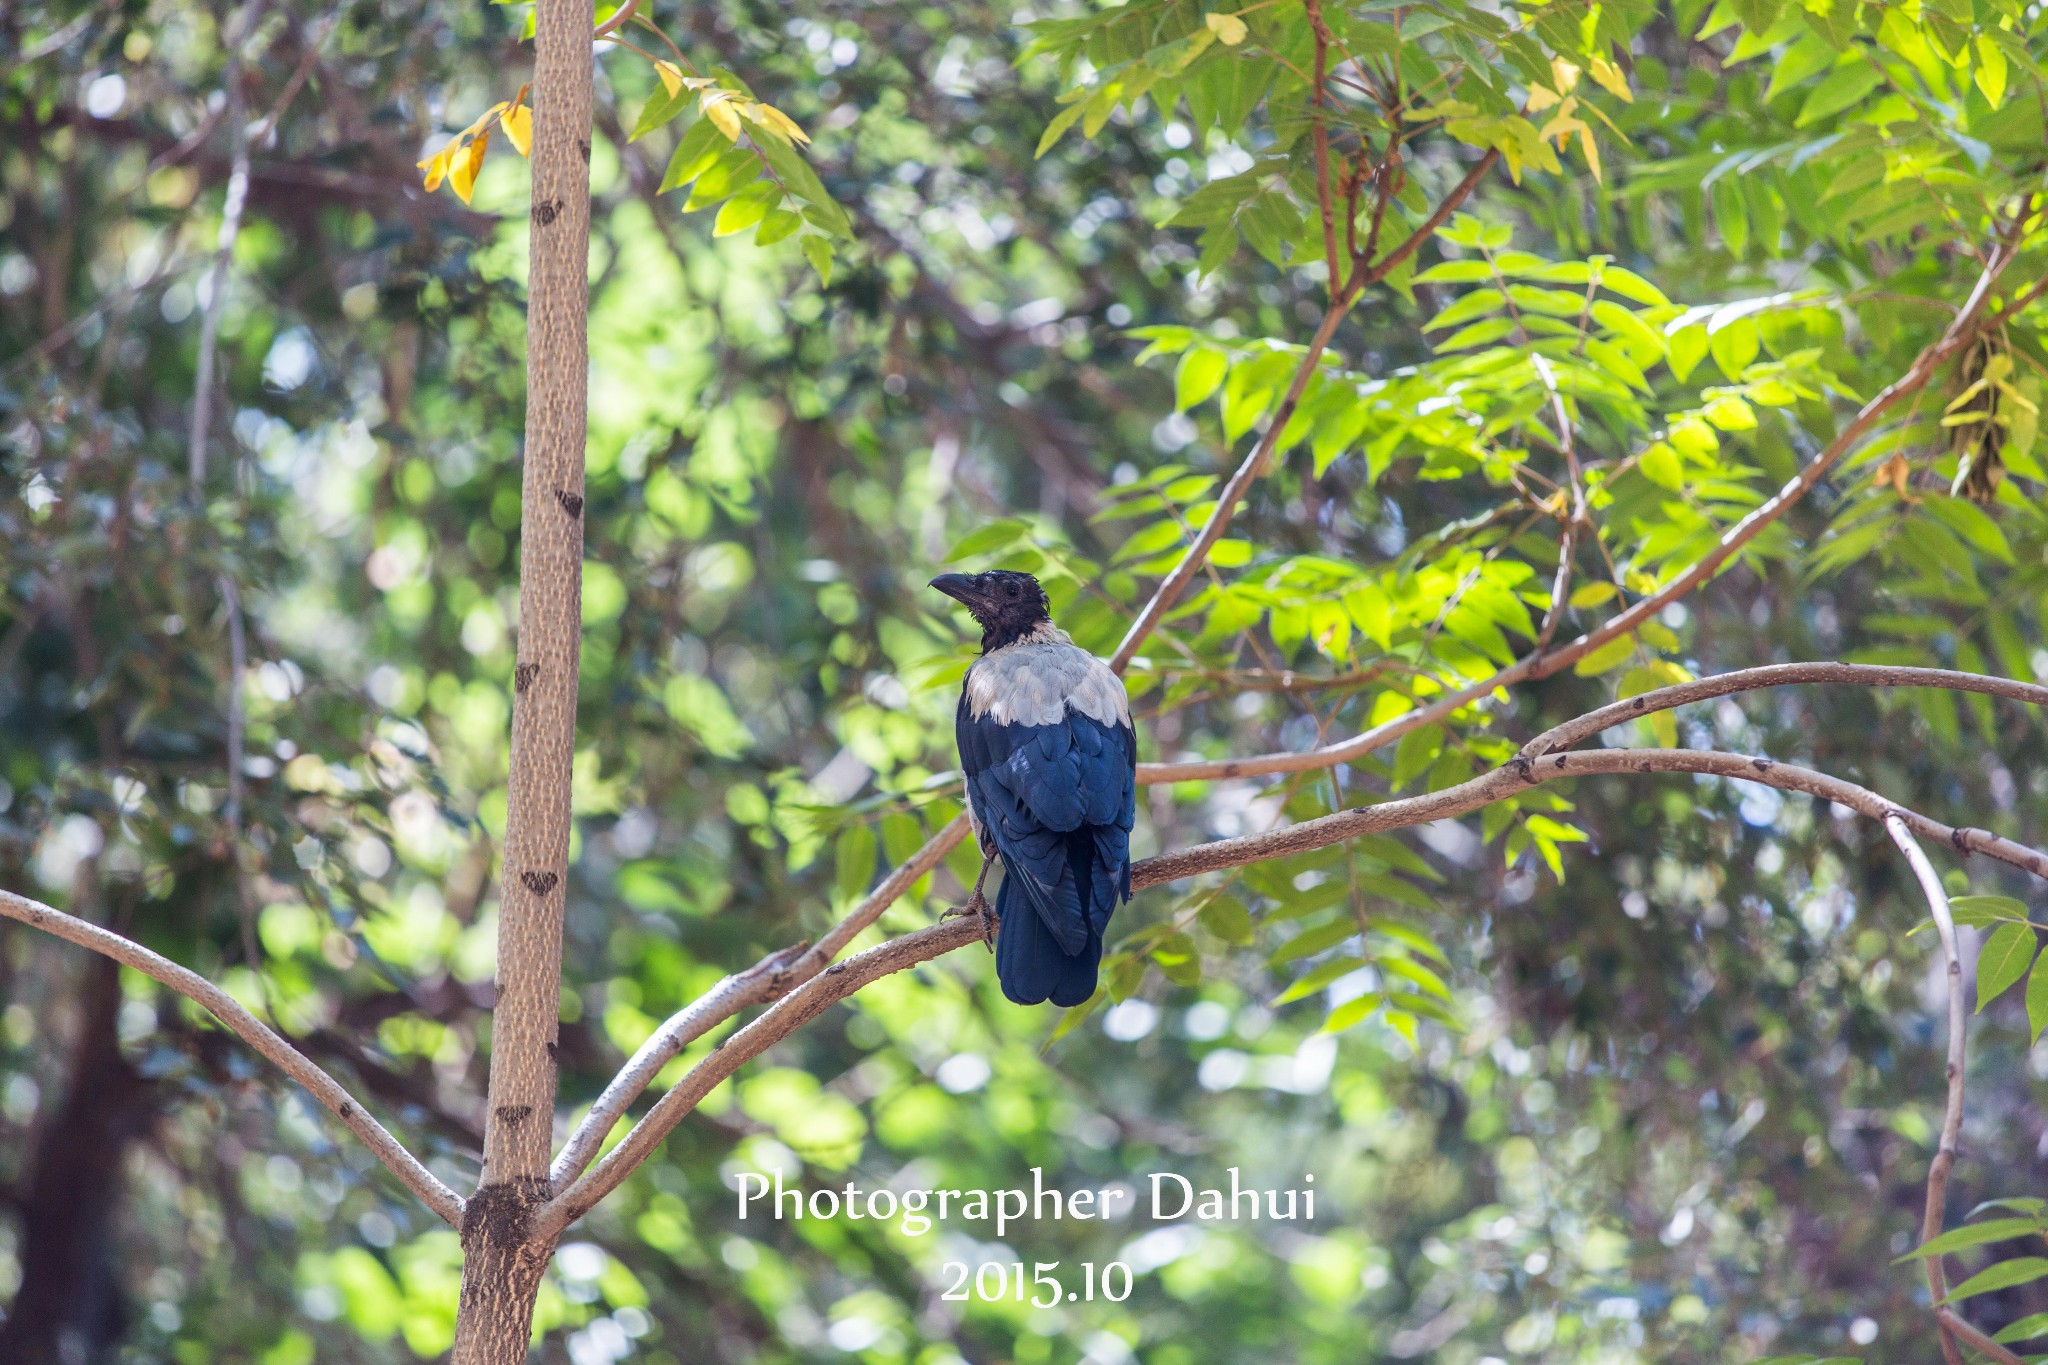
(1542,663)
(768,979)
(793,1012)
(251,1030)
(1958,1038)
(1977,1340)
(236,198)
(1775,675)
(1256,463)
(1521,774)
(838,982)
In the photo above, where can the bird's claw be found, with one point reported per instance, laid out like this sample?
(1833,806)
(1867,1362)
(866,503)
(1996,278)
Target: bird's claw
(977,904)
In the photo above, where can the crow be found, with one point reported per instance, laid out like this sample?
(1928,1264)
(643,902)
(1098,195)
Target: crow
(1051,760)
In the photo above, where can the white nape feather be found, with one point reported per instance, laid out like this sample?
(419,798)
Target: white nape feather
(1034,680)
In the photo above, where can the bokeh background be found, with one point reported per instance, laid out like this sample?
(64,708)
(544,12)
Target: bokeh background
(1690,1095)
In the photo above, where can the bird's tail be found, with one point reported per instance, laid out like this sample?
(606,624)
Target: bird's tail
(1029,961)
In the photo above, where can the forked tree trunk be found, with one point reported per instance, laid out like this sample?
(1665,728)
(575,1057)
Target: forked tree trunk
(502,1260)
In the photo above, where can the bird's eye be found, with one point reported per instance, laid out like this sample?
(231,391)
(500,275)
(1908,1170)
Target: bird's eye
(1010,589)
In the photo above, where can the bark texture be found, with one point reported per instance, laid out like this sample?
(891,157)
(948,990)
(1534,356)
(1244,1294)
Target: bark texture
(502,1263)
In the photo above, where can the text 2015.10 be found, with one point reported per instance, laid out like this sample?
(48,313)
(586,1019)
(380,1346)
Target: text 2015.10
(993,1282)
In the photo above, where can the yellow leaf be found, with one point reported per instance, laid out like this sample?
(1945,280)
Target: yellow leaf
(518,126)
(718,107)
(463,173)
(1896,474)
(1564,74)
(1542,97)
(1562,124)
(436,168)
(1591,149)
(671,77)
(1611,80)
(473,129)
(773,119)
(1228,28)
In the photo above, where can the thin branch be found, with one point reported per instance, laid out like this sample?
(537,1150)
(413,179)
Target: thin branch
(1958,1039)
(770,978)
(1256,463)
(1321,138)
(757,985)
(765,980)
(1542,663)
(843,979)
(793,1012)
(1978,1341)
(1775,675)
(619,19)
(236,199)
(251,1030)
(1520,774)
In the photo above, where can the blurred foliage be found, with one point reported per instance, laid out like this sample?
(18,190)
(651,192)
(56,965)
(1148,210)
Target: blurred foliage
(1679,1106)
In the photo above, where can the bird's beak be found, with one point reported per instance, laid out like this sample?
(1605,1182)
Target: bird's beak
(958,586)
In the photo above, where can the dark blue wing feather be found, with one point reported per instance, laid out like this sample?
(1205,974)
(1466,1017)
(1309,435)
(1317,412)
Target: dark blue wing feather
(1056,803)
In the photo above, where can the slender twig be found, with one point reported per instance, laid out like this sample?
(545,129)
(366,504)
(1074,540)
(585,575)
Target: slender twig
(1256,463)
(773,976)
(843,979)
(1775,675)
(619,18)
(1958,1039)
(1543,663)
(759,984)
(251,1030)
(1520,774)
(1320,135)
(211,307)
(1975,1339)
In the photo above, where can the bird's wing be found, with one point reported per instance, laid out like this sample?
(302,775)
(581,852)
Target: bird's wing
(1056,801)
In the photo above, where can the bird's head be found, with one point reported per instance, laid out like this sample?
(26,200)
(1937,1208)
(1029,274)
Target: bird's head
(1007,605)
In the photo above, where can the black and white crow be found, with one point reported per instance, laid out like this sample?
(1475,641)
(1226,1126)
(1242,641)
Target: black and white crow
(1045,739)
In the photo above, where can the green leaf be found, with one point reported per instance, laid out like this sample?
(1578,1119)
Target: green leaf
(818,252)
(1607,657)
(1660,465)
(1351,1013)
(2026,1329)
(1057,129)
(2004,960)
(1848,85)
(1323,974)
(1688,348)
(2037,1003)
(661,106)
(1417,751)
(1978,911)
(854,856)
(1226,917)
(696,152)
(1075,1017)
(997,535)
(777,225)
(1199,374)
(799,179)
(746,208)
(1972,1235)
(2004,1275)
(1735,347)
(1314,940)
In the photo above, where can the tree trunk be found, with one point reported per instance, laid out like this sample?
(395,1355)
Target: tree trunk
(502,1261)
(68,1310)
